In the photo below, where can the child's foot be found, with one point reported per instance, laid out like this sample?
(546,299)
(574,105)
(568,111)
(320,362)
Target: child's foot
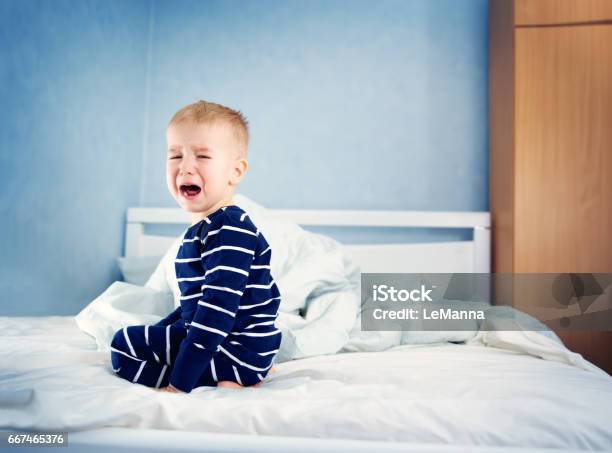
(229,385)
(233,385)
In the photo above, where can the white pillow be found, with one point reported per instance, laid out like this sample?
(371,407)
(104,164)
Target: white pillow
(164,276)
(137,270)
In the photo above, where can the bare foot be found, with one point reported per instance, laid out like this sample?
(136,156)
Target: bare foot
(234,385)
(272,370)
(229,385)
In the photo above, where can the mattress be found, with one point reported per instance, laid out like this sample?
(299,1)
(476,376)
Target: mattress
(53,378)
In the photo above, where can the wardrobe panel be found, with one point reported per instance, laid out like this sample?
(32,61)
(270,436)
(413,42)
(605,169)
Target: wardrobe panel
(540,12)
(563,153)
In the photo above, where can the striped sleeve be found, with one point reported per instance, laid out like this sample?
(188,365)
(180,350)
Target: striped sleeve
(227,252)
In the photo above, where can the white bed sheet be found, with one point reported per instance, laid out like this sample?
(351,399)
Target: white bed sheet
(53,378)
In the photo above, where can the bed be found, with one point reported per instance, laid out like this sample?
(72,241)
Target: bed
(499,391)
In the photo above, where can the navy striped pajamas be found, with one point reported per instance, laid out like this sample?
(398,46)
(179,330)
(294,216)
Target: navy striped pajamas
(224,328)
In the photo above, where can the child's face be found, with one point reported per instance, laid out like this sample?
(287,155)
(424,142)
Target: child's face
(206,156)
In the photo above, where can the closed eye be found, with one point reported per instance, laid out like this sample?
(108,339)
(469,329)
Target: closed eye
(205,157)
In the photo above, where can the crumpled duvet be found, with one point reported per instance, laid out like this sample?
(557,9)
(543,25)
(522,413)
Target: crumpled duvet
(319,313)
(317,279)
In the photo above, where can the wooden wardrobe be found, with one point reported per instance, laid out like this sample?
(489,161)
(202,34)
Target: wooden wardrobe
(550,143)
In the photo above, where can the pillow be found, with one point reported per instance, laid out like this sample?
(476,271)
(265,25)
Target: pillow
(137,270)
(164,277)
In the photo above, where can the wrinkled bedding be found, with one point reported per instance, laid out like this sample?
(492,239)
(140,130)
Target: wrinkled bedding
(54,378)
(519,387)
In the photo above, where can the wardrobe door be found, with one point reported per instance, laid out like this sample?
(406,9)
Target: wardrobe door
(563,149)
(563,159)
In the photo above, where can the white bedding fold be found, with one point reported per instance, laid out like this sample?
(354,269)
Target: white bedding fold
(438,394)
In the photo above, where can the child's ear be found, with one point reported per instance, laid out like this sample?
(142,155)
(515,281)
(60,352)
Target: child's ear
(240,168)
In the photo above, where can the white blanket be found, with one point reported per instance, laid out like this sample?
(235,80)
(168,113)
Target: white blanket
(53,378)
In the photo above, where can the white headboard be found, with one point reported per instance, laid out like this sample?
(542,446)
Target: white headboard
(443,257)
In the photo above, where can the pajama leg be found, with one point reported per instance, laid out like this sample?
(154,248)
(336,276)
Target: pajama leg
(145,354)
(224,369)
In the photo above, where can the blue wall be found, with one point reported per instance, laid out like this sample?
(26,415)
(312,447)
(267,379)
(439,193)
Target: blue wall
(360,104)
(70,147)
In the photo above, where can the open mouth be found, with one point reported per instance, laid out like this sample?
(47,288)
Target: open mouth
(190,190)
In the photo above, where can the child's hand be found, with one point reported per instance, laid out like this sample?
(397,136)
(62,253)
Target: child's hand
(170,389)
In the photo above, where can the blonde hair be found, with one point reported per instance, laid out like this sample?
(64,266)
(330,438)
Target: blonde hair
(204,112)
